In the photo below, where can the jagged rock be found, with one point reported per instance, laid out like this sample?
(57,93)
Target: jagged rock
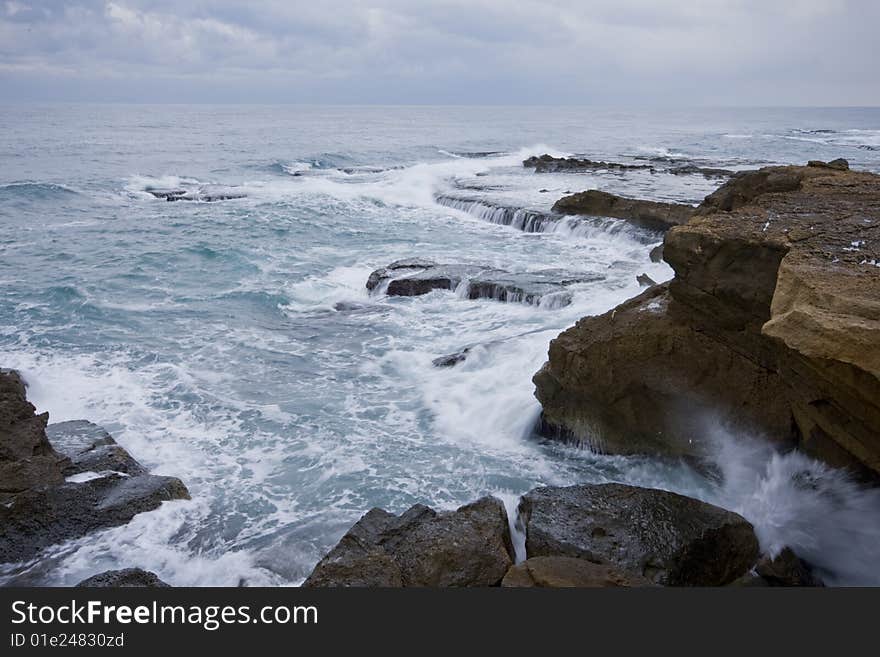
(645,214)
(664,537)
(125,578)
(656,253)
(772,322)
(40,508)
(421,547)
(786,569)
(27,459)
(645,281)
(706,172)
(569,572)
(549,164)
(417,277)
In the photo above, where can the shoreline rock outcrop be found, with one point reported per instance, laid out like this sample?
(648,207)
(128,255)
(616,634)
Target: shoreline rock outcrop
(64,481)
(652,215)
(771,324)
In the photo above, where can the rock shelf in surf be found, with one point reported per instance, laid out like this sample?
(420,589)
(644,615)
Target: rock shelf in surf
(550,164)
(415,277)
(63,481)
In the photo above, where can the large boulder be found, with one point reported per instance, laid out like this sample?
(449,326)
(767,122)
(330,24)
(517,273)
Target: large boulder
(663,537)
(59,490)
(125,578)
(421,547)
(772,323)
(645,214)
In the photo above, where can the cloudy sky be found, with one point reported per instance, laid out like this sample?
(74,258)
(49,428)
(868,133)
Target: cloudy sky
(608,52)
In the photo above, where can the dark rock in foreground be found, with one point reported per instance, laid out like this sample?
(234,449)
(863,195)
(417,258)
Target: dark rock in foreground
(467,547)
(666,538)
(125,578)
(88,483)
(415,277)
(651,215)
(569,572)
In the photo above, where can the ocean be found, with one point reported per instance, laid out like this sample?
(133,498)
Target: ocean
(234,344)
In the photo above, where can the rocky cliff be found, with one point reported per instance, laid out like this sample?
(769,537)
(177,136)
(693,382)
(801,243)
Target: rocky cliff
(771,323)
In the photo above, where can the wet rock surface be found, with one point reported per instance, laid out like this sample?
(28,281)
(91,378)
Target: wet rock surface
(415,277)
(786,569)
(87,483)
(666,538)
(125,578)
(549,164)
(569,572)
(772,321)
(650,215)
(421,547)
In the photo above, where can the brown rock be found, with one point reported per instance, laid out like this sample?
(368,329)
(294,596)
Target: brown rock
(569,572)
(772,321)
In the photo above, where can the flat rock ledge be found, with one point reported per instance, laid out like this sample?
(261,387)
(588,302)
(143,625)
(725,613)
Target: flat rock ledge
(771,325)
(414,277)
(421,547)
(125,578)
(63,481)
(651,215)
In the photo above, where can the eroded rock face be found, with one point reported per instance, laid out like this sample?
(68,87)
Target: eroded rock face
(57,493)
(125,578)
(772,323)
(569,572)
(645,214)
(421,547)
(663,537)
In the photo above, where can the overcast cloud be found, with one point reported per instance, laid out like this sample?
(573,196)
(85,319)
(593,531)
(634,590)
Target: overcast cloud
(609,52)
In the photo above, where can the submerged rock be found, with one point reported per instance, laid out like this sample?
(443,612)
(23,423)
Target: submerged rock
(651,215)
(663,537)
(125,578)
(569,572)
(771,323)
(645,281)
(421,547)
(204,194)
(786,569)
(416,277)
(451,360)
(54,494)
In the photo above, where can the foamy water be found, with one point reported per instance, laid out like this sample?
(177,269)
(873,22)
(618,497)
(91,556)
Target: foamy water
(234,344)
